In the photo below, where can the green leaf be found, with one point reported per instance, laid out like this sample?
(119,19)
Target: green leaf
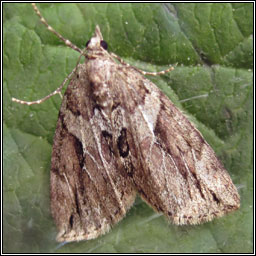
(212,83)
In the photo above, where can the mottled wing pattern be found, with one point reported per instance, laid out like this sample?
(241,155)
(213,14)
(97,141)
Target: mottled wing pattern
(179,173)
(90,191)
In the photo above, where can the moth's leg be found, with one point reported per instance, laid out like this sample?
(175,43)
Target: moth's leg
(139,70)
(57,91)
(66,41)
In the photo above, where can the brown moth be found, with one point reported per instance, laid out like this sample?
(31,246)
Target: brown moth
(118,135)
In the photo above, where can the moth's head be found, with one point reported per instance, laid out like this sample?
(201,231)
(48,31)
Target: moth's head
(96,42)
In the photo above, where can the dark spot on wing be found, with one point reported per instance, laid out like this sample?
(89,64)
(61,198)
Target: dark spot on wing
(122,144)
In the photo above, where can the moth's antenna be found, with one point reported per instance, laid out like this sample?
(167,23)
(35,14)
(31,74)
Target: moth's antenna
(66,41)
(57,91)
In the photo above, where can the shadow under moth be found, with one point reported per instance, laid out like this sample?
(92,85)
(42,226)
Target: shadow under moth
(118,135)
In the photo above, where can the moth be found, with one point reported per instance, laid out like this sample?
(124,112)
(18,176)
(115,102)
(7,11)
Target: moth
(117,136)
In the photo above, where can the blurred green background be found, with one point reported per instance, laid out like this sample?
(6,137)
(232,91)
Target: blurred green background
(212,47)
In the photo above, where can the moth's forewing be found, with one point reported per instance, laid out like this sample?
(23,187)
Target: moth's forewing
(90,192)
(180,174)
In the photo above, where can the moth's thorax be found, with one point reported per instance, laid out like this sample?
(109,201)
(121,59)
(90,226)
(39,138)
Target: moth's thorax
(101,73)
(99,70)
